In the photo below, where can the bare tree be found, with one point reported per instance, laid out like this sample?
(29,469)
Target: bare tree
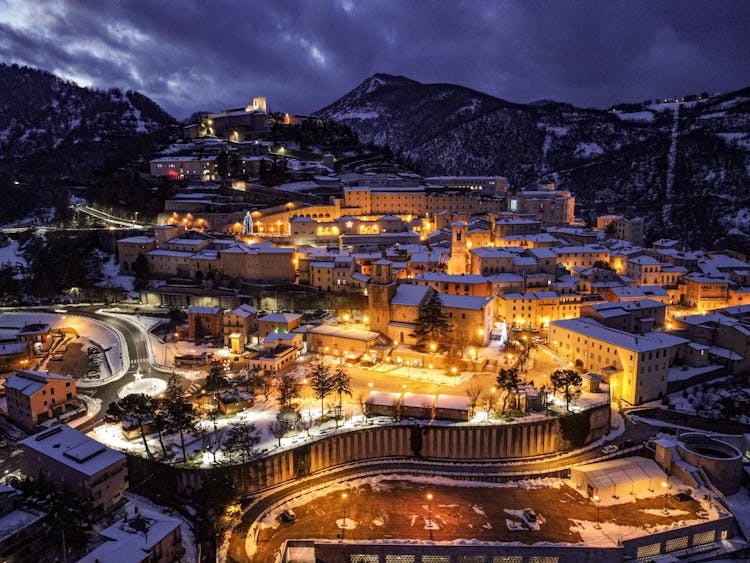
(278,429)
(473,392)
(488,404)
(306,422)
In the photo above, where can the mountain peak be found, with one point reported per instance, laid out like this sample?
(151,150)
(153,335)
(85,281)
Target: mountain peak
(381,80)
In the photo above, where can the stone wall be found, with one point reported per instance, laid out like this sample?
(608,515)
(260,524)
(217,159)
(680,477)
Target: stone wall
(482,442)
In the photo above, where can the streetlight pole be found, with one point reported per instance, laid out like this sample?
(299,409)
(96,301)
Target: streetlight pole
(597,500)
(343,525)
(665,486)
(429,513)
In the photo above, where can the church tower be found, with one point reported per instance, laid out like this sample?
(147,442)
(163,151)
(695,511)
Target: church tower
(459,254)
(381,290)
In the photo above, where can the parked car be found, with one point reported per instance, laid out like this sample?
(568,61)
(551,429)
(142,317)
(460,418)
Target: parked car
(529,515)
(288,516)
(610,449)
(628,444)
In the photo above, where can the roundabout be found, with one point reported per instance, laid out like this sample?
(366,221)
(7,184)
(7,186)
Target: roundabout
(150,386)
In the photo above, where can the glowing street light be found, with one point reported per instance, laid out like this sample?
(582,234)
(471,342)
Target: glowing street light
(343,524)
(429,513)
(665,486)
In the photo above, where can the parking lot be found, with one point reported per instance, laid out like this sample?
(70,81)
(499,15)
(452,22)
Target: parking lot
(402,510)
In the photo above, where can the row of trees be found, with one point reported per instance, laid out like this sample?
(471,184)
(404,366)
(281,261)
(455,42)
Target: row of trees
(325,381)
(567,381)
(174,413)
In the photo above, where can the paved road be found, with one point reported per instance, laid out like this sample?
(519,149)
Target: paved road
(139,360)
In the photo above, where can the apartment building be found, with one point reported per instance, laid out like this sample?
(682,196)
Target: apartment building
(205,322)
(631,230)
(640,315)
(33,397)
(144,536)
(71,460)
(635,366)
(547,204)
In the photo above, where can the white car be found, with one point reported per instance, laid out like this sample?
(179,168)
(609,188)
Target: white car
(609,449)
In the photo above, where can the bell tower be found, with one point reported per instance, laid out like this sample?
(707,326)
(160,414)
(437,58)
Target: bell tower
(381,290)
(459,254)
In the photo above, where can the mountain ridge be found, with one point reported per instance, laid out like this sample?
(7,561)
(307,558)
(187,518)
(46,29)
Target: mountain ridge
(681,158)
(55,128)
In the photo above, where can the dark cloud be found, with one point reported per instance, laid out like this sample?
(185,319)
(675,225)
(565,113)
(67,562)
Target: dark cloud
(194,55)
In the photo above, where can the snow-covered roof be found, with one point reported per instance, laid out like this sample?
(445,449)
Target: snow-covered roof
(243,311)
(197,310)
(639,291)
(29,382)
(451,278)
(418,400)
(383,398)
(345,331)
(464,301)
(132,539)
(635,342)
(410,294)
(137,240)
(452,402)
(74,449)
(635,305)
(280,318)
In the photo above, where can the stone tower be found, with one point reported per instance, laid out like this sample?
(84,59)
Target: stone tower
(381,290)
(459,254)
(260,104)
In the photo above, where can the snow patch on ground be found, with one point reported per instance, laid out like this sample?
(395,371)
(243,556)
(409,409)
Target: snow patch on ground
(357,115)
(636,116)
(11,254)
(588,149)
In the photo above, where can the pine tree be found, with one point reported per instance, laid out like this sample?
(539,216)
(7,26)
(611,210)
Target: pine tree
(508,381)
(569,381)
(342,385)
(321,381)
(432,322)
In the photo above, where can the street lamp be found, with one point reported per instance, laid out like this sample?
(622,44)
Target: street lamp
(429,513)
(343,524)
(597,500)
(665,486)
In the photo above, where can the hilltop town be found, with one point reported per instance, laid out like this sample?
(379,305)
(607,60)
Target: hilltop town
(306,329)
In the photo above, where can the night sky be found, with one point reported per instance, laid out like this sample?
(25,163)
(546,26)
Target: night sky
(193,55)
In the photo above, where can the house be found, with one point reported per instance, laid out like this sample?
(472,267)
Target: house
(205,322)
(238,325)
(417,405)
(273,360)
(84,467)
(349,342)
(14,355)
(278,322)
(34,397)
(20,525)
(145,536)
(452,407)
(382,403)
